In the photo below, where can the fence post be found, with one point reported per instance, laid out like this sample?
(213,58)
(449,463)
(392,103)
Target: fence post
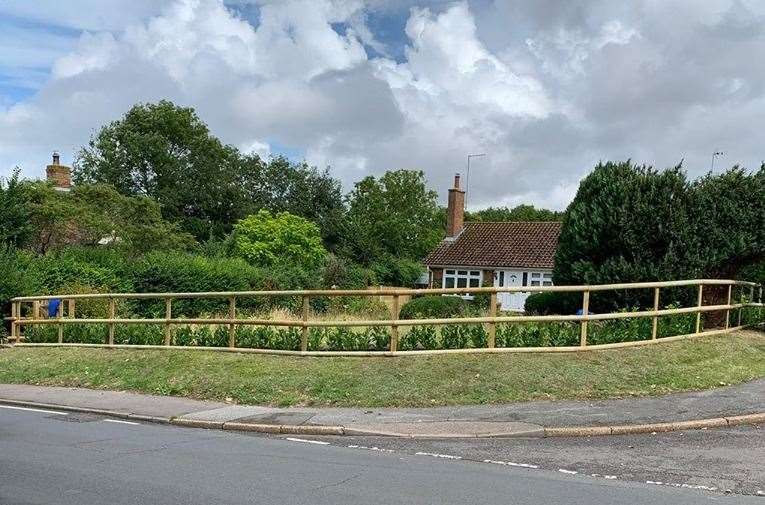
(59,316)
(232,326)
(698,304)
(304,320)
(112,315)
(14,317)
(70,313)
(727,311)
(168,317)
(36,309)
(585,313)
(655,319)
(394,327)
(492,340)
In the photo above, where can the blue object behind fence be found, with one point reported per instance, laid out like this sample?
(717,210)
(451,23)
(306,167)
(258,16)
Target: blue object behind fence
(53,306)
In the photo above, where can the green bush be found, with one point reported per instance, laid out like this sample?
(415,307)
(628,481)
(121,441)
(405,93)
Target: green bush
(550,302)
(419,338)
(434,307)
(531,334)
(163,272)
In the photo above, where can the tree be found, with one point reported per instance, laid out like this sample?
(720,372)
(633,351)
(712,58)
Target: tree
(393,215)
(283,239)
(90,215)
(632,223)
(15,227)
(302,190)
(518,213)
(166,152)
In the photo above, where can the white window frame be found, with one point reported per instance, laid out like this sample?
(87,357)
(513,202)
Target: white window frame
(468,274)
(541,278)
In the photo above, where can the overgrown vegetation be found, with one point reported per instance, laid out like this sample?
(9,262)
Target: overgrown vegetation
(161,205)
(412,381)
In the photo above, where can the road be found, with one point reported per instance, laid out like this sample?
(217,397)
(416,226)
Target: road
(59,458)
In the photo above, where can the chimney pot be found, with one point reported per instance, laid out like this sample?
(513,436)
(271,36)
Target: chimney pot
(457,181)
(56,158)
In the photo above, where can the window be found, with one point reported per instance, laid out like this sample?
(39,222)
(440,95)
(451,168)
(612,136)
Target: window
(462,279)
(540,279)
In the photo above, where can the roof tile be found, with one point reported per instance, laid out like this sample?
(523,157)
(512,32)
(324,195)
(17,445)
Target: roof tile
(500,244)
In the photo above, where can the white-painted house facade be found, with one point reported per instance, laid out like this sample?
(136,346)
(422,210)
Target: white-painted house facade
(500,254)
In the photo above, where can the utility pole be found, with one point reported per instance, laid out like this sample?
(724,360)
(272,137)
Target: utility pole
(467,182)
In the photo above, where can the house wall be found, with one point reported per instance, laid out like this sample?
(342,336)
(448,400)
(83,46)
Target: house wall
(436,277)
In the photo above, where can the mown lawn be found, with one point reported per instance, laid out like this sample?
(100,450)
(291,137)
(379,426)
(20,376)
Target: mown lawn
(405,381)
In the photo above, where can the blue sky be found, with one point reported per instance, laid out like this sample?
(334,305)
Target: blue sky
(545,88)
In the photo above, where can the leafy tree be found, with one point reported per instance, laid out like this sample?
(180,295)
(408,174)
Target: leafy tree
(97,214)
(632,223)
(297,188)
(266,240)
(394,216)
(518,213)
(15,227)
(166,152)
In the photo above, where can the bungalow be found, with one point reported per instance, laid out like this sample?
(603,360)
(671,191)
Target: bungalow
(500,254)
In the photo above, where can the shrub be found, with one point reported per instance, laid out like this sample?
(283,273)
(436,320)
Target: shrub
(555,334)
(434,307)
(419,338)
(550,302)
(160,272)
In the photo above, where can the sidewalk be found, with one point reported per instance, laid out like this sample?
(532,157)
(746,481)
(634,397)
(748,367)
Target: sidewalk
(719,407)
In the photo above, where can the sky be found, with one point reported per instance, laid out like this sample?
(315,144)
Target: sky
(545,88)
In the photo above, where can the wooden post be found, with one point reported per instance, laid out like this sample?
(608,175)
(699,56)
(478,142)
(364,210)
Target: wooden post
(36,309)
(112,315)
(698,304)
(232,326)
(306,329)
(585,312)
(394,327)
(59,315)
(492,340)
(655,319)
(14,324)
(727,311)
(168,317)
(70,313)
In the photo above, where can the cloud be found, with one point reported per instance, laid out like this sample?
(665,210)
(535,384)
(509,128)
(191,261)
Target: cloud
(544,89)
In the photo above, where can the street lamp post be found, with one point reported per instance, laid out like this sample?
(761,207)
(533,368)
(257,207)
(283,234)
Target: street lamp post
(467,182)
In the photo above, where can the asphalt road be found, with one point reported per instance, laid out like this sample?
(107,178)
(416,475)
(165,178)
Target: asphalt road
(49,458)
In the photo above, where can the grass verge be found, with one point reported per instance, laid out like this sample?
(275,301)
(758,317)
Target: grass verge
(407,381)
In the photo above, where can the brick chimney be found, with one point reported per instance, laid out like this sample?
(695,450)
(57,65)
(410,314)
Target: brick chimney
(59,175)
(455,210)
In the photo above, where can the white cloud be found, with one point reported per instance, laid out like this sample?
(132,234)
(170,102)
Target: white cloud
(544,90)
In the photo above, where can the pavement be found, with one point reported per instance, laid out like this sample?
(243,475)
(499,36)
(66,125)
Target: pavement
(62,458)
(720,407)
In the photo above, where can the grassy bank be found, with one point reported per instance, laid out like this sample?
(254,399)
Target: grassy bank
(407,381)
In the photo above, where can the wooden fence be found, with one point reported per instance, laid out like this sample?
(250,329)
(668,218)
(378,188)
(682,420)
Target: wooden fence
(66,315)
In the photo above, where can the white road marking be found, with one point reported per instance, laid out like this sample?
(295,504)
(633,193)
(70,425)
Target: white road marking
(34,410)
(686,486)
(570,472)
(509,463)
(119,421)
(437,455)
(374,448)
(317,442)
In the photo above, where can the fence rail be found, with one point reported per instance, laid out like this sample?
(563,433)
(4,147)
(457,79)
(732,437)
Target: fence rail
(66,315)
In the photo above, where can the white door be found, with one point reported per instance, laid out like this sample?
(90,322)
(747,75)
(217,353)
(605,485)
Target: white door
(510,301)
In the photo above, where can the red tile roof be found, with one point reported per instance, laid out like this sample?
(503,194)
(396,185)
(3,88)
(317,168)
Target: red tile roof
(505,244)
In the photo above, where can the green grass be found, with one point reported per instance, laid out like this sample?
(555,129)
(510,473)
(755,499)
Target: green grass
(406,381)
